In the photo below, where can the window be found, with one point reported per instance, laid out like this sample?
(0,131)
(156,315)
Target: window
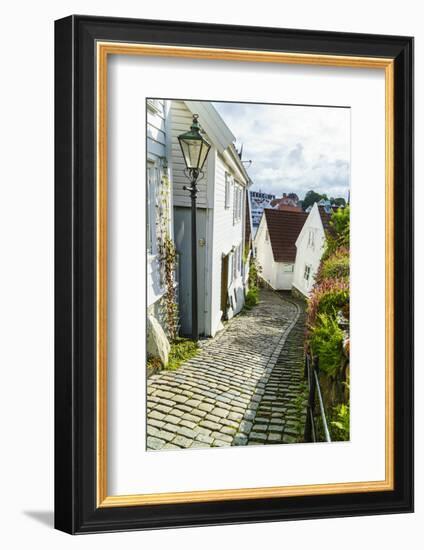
(307,272)
(267,235)
(288,268)
(236,265)
(227,189)
(154,105)
(311,238)
(237,203)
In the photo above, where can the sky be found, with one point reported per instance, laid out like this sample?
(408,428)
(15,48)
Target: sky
(292,148)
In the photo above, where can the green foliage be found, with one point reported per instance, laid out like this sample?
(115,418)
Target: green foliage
(335,266)
(246,251)
(254,271)
(340,201)
(327,297)
(182,349)
(326,342)
(338,234)
(332,301)
(340,426)
(252,298)
(311,197)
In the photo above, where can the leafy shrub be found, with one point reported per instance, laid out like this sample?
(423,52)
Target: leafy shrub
(341,425)
(338,234)
(336,266)
(254,271)
(327,297)
(326,342)
(252,298)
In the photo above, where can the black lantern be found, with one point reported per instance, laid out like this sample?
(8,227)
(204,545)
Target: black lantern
(194,146)
(195,149)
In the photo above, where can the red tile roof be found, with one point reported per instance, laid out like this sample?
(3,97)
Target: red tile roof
(288,207)
(284,227)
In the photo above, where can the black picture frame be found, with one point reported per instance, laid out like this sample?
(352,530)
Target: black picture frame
(76,510)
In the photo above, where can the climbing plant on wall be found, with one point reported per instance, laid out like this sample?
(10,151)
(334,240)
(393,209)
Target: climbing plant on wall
(167,256)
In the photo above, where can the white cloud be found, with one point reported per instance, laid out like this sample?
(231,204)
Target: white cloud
(293,148)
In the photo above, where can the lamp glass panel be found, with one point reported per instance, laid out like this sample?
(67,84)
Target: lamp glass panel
(203,154)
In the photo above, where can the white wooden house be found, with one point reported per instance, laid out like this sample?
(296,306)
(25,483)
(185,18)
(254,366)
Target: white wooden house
(275,246)
(309,249)
(220,220)
(158,195)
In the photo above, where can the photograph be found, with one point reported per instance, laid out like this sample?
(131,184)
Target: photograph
(248,274)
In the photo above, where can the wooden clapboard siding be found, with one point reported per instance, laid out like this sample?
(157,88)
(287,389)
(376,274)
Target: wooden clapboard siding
(226,235)
(181,119)
(156,131)
(156,153)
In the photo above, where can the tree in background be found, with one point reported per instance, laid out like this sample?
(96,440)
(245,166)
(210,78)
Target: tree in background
(340,201)
(312,196)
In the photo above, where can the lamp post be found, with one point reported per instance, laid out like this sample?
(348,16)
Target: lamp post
(195,149)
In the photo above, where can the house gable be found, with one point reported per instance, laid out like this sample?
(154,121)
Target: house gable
(313,221)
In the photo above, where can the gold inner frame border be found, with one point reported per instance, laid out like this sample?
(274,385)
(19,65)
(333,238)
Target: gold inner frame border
(103,50)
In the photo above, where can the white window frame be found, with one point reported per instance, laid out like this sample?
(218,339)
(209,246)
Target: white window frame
(228,182)
(237,200)
(311,239)
(307,272)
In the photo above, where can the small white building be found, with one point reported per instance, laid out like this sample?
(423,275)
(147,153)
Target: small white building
(220,220)
(309,249)
(275,246)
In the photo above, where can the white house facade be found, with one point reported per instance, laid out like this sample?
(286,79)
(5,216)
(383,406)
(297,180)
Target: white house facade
(309,249)
(220,221)
(158,196)
(275,247)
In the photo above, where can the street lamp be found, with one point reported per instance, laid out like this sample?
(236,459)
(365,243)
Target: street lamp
(195,149)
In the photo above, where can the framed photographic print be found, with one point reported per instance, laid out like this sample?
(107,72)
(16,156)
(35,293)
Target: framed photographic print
(234,288)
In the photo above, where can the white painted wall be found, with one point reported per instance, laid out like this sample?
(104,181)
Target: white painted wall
(263,252)
(157,151)
(227,233)
(278,274)
(310,247)
(283,275)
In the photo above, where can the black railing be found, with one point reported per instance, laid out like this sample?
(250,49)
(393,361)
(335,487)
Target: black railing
(312,376)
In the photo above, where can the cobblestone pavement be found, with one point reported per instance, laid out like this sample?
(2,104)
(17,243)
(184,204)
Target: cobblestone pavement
(242,388)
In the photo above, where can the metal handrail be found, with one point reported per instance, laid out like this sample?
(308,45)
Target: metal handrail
(311,373)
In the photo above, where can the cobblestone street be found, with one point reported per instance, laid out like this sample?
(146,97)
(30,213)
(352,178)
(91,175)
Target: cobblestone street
(242,388)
